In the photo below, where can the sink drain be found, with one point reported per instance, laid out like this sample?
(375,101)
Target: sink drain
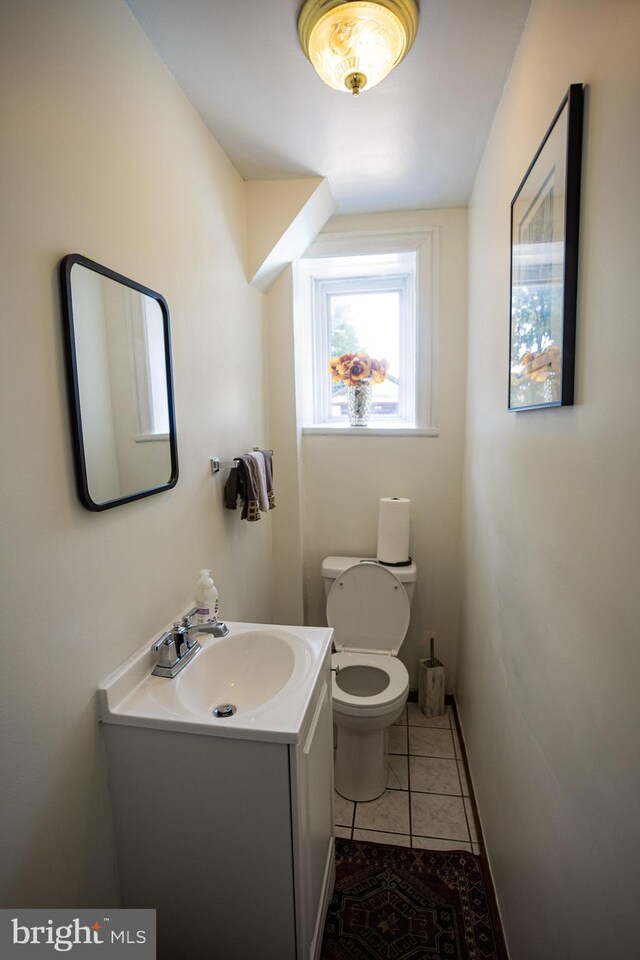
(224,710)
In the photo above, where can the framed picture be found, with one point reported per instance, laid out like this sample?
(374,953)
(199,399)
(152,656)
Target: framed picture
(545,217)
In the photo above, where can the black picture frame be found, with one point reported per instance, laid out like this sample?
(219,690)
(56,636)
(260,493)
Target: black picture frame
(77,418)
(545,225)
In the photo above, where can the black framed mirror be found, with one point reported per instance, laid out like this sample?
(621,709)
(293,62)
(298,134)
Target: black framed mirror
(120,385)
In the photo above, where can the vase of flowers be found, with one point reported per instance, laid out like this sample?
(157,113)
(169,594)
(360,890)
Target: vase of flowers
(359,372)
(544,367)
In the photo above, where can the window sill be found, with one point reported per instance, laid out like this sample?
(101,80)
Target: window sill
(373,430)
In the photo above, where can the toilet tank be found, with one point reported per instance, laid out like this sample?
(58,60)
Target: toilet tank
(333,567)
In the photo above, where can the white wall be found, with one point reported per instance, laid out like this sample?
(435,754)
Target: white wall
(102,155)
(344,476)
(549,665)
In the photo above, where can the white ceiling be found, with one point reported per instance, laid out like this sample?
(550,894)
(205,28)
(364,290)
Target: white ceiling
(414,141)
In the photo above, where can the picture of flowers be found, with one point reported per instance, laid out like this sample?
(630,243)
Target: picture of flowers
(544,266)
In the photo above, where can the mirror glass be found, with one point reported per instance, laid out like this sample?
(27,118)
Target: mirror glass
(120,385)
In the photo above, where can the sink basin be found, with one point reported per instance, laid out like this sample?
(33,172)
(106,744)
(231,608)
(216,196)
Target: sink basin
(246,670)
(267,673)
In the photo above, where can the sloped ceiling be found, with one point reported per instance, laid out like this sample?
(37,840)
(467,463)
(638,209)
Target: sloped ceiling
(414,141)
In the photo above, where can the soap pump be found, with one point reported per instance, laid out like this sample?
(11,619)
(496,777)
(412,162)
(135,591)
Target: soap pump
(206,599)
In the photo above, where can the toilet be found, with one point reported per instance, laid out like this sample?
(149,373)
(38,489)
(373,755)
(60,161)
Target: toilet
(368,606)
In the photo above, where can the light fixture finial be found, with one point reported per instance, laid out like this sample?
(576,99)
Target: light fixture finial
(355,82)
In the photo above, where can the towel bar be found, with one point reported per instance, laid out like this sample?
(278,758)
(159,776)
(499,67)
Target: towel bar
(217,464)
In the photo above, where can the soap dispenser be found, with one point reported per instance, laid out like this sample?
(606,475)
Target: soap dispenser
(206,599)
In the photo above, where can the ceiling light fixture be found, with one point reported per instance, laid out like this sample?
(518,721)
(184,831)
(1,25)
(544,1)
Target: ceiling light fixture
(354,45)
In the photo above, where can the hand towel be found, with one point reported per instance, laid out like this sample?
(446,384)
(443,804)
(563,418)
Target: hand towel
(232,489)
(263,497)
(243,482)
(268,465)
(251,503)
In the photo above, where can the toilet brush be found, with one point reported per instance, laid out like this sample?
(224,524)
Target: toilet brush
(431,684)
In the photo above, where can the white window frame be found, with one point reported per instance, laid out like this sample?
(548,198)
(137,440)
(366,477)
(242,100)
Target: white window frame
(314,282)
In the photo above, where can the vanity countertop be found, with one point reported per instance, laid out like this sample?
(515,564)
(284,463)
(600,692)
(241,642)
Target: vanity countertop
(268,672)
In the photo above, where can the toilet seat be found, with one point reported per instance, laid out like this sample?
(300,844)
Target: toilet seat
(388,700)
(368,609)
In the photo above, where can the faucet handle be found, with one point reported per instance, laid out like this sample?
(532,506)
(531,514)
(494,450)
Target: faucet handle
(164,638)
(165,645)
(187,617)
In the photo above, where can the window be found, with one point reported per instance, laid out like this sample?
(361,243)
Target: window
(372,303)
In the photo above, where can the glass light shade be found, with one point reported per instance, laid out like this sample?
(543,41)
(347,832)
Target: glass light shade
(355,45)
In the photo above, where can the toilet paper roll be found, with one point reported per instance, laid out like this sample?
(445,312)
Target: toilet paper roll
(393,530)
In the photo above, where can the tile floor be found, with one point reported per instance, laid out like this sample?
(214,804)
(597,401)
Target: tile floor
(426,804)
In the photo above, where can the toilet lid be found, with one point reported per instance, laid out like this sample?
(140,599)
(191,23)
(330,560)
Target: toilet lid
(368,609)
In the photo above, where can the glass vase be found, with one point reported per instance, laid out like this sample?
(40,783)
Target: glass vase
(551,387)
(359,404)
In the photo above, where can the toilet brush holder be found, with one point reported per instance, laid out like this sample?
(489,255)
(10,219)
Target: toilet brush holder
(431,684)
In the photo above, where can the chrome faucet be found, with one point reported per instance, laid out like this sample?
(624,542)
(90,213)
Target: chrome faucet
(178,646)
(176,649)
(217,629)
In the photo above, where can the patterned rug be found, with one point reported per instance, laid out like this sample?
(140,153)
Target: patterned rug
(394,903)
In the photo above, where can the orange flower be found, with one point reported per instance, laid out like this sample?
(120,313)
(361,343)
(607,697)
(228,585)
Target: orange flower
(538,366)
(379,370)
(335,368)
(359,368)
(339,366)
(555,357)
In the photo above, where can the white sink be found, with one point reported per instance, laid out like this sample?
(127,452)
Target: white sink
(246,670)
(267,673)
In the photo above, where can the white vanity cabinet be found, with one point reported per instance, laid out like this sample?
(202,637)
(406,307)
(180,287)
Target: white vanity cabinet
(229,838)
(311,778)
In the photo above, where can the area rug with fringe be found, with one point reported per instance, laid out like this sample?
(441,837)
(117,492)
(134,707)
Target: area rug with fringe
(395,903)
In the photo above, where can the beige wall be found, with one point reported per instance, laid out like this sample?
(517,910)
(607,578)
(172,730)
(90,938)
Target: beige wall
(549,665)
(343,477)
(284,439)
(102,155)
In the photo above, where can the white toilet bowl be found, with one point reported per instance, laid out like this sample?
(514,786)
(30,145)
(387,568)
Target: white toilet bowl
(369,692)
(368,608)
